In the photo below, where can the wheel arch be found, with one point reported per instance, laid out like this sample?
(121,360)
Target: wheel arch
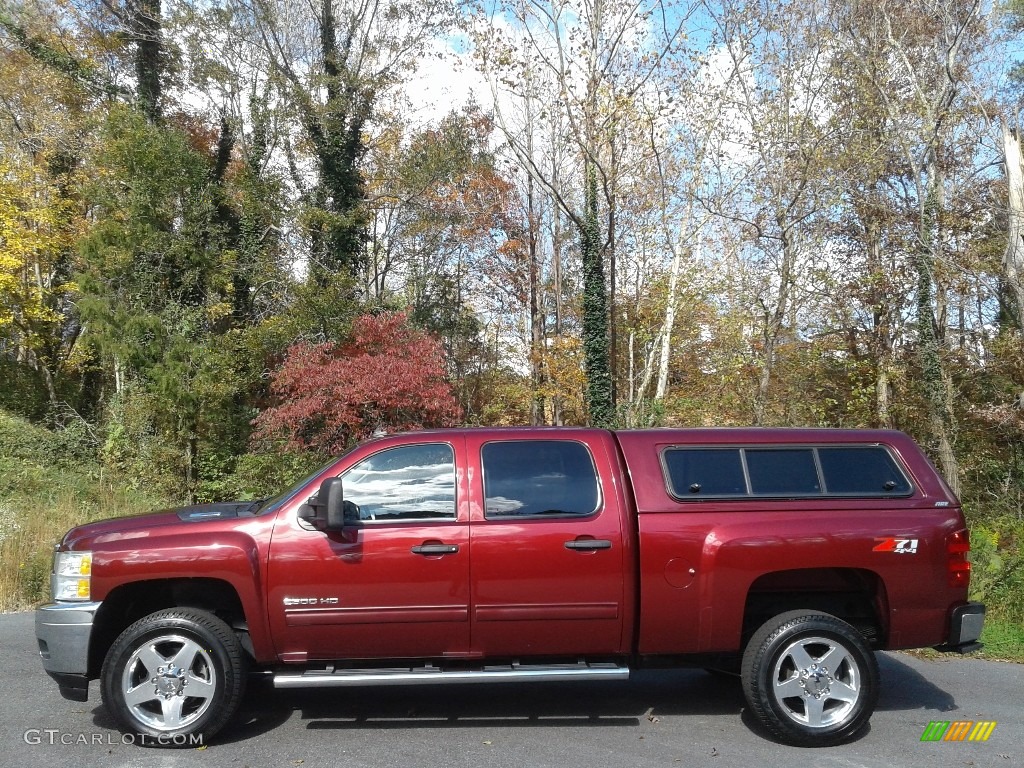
(855,595)
(128,603)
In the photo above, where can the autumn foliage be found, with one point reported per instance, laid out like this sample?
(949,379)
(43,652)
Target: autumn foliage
(389,375)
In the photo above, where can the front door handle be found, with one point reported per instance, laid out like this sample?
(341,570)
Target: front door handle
(435,549)
(588,545)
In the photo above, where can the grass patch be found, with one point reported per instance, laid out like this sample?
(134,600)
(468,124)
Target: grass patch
(1003,639)
(49,482)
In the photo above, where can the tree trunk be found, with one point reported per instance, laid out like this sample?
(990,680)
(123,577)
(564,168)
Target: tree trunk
(146,31)
(773,326)
(666,329)
(336,133)
(613,342)
(537,406)
(881,330)
(595,310)
(43,370)
(1013,259)
(556,276)
(191,468)
(936,387)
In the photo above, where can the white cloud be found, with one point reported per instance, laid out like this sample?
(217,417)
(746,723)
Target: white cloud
(445,80)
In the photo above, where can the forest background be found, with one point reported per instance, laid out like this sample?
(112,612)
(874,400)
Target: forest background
(237,235)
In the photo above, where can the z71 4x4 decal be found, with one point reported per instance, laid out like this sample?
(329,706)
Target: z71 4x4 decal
(899,546)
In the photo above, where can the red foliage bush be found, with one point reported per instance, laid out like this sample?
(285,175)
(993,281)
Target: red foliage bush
(389,375)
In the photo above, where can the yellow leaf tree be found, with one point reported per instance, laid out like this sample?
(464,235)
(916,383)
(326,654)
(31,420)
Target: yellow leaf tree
(38,228)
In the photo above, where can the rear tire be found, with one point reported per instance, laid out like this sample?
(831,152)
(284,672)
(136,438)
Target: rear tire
(810,678)
(174,677)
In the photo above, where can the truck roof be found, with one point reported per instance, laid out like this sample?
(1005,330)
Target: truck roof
(681,434)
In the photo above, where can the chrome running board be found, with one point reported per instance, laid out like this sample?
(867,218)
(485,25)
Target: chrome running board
(430,675)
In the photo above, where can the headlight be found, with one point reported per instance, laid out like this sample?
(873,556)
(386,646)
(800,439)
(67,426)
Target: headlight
(72,576)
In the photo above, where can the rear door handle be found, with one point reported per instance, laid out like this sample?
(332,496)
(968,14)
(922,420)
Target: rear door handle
(588,545)
(435,549)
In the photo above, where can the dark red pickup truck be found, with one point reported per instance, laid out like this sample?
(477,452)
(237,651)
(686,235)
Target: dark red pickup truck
(491,555)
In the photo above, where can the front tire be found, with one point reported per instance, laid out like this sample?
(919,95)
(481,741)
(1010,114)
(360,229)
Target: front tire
(175,677)
(810,678)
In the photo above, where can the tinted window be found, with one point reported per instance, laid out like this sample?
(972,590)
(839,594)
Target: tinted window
(862,470)
(405,483)
(538,477)
(705,472)
(784,471)
(778,472)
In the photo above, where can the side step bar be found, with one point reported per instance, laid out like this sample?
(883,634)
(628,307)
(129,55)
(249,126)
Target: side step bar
(430,675)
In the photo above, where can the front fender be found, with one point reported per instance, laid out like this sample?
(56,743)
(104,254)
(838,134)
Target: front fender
(231,557)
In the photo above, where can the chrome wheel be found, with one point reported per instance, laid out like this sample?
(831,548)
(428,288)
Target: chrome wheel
(169,683)
(816,682)
(176,675)
(810,678)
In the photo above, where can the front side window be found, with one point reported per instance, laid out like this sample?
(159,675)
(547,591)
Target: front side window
(534,478)
(410,482)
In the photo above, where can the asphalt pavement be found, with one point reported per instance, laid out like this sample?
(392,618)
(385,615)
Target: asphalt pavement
(683,717)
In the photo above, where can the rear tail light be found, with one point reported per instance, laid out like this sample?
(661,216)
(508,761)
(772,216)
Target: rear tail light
(958,547)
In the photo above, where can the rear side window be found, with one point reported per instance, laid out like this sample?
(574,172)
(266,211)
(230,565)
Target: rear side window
(538,478)
(776,472)
(706,472)
(783,472)
(862,471)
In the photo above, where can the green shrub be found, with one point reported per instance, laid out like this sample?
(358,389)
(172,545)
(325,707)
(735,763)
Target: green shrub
(37,445)
(997,574)
(263,475)
(49,483)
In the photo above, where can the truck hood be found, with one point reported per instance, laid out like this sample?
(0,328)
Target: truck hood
(145,525)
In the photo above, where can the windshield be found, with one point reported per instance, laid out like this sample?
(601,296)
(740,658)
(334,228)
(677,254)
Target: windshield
(272,505)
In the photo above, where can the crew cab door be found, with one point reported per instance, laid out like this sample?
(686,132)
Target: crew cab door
(549,559)
(395,582)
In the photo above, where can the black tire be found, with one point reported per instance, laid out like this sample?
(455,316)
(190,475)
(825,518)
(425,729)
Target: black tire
(810,678)
(148,670)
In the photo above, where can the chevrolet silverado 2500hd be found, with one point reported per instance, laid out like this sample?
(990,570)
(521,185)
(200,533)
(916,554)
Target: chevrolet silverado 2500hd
(493,555)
